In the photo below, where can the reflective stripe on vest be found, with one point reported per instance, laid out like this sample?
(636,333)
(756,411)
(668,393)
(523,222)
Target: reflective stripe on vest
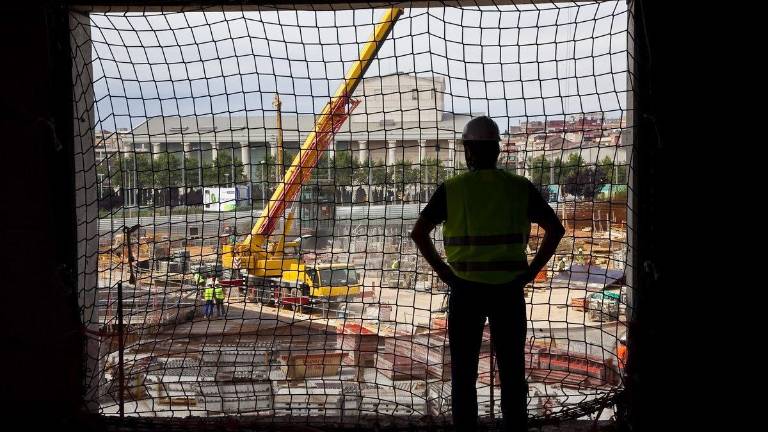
(219,293)
(487,227)
(208,294)
(488,240)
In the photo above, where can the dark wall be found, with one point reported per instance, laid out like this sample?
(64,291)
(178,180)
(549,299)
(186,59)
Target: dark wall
(41,355)
(41,358)
(666,337)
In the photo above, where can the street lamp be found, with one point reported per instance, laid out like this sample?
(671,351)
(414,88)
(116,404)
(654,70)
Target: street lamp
(263,196)
(101,185)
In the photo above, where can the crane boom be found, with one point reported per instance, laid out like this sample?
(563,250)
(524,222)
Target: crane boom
(331,118)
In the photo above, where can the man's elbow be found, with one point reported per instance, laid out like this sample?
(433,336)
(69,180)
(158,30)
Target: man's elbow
(421,230)
(559,231)
(556,230)
(417,236)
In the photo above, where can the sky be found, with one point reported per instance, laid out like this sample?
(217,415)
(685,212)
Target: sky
(514,63)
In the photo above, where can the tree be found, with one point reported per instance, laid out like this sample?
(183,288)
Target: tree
(288,156)
(432,171)
(617,172)
(602,176)
(540,170)
(167,171)
(360,174)
(322,168)
(569,167)
(404,175)
(380,175)
(110,173)
(133,170)
(343,168)
(192,172)
(220,172)
(145,173)
(609,168)
(622,174)
(586,181)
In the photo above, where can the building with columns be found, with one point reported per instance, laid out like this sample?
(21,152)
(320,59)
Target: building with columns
(400,117)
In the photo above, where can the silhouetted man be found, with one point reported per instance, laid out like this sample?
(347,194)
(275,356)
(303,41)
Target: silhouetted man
(487,215)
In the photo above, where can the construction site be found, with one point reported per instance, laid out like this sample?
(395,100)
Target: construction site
(329,313)
(378,349)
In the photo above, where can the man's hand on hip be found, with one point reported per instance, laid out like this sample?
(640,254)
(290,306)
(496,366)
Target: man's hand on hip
(445,274)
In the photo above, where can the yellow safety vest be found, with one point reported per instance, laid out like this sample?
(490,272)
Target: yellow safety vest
(218,292)
(208,293)
(487,227)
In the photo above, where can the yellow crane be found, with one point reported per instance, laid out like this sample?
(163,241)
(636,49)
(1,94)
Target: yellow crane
(275,269)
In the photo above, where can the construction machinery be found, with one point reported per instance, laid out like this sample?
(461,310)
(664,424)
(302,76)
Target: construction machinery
(604,306)
(275,270)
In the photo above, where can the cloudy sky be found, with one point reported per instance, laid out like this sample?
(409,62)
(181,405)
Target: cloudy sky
(513,62)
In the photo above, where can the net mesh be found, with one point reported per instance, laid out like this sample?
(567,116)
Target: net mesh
(188,122)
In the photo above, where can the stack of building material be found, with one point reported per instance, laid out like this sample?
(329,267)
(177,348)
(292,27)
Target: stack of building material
(308,400)
(236,397)
(439,398)
(578,303)
(360,343)
(397,367)
(438,354)
(177,377)
(239,362)
(301,336)
(439,321)
(313,364)
(333,397)
(391,401)
(406,356)
(531,352)
(226,378)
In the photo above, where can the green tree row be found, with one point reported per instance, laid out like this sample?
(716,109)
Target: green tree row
(576,176)
(167,170)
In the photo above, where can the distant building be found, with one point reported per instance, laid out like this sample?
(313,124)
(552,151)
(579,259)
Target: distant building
(400,117)
(592,137)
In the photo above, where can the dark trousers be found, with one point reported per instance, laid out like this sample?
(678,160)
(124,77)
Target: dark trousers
(208,308)
(219,307)
(504,305)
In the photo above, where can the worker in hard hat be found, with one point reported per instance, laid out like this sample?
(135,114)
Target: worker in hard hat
(486,215)
(218,296)
(562,265)
(208,298)
(580,257)
(395,264)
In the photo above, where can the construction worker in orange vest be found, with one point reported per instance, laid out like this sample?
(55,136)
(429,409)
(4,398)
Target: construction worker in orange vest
(486,215)
(621,351)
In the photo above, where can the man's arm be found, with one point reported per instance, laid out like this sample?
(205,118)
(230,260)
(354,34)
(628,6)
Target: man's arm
(420,236)
(553,233)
